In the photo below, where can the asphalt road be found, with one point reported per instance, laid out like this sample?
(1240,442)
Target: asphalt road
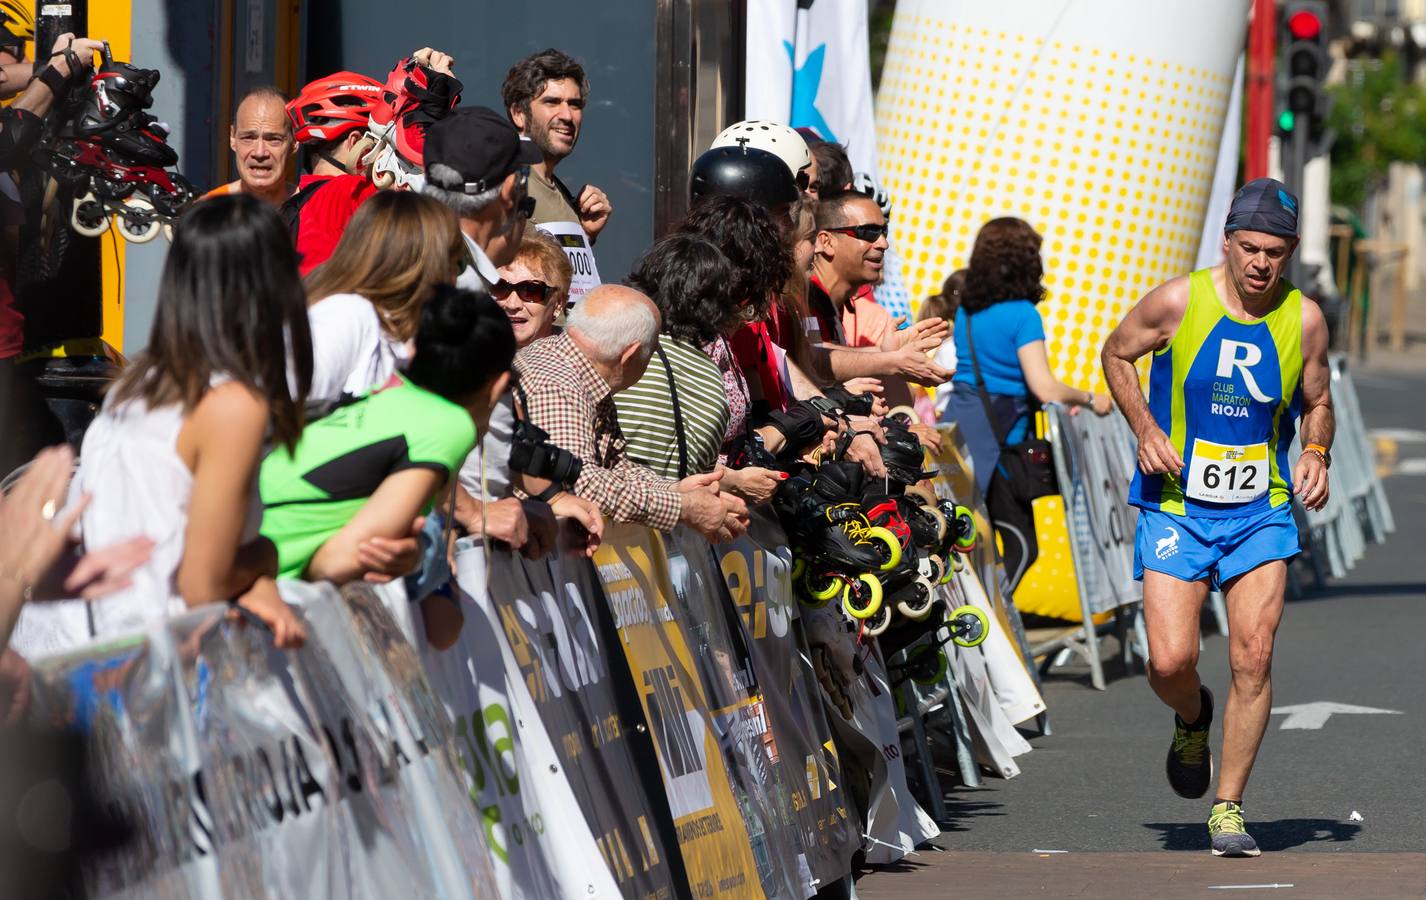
(1096,785)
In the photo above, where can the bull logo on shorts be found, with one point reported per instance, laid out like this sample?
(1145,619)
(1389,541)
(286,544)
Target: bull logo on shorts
(1167,546)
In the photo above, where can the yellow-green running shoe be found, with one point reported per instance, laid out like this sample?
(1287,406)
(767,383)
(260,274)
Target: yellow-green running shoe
(1190,762)
(1226,831)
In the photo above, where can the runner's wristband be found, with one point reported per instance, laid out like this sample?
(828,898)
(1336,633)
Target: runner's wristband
(1321,451)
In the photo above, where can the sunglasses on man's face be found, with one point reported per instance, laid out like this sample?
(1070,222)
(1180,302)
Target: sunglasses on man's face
(868,232)
(528,291)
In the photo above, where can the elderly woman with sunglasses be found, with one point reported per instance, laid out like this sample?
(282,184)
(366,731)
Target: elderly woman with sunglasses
(534,288)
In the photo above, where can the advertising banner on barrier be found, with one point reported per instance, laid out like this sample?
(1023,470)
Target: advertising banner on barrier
(546,612)
(757,568)
(633,568)
(1095,459)
(515,777)
(249,772)
(703,610)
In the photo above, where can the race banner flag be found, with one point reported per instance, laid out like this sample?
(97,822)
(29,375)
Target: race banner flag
(808,66)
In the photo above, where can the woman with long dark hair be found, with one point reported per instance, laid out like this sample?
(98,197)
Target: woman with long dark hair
(1001,368)
(174,452)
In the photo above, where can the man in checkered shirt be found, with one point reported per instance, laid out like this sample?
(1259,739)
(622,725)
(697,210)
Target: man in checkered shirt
(569,381)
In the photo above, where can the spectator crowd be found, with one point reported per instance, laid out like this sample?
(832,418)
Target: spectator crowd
(410,345)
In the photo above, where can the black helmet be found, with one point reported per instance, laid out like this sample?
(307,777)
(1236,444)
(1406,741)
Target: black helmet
(755,175)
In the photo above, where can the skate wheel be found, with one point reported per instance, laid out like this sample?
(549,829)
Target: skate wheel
(821,589)
(903,414)
(89,217)
(922,600)
(969,626)
(139,223)
(799,568)
(891,546)
(927,676)
(965,529)
(878,622)
(862,598)
(168,232)
(943,528)
(383,179)
(922,495)
(953,564)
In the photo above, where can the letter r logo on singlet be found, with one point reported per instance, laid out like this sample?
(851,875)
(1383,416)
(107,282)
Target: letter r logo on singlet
(1229,359)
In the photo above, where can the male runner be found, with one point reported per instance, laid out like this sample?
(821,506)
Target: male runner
(1239,354)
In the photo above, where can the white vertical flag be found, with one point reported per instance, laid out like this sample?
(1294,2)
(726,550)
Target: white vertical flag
(1225,178)
(809,67)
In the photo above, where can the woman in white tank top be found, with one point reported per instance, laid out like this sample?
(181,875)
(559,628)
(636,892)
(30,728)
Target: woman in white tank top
(174,452)
(367,298)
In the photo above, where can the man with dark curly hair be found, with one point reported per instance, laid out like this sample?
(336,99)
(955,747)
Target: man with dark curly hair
(544,96)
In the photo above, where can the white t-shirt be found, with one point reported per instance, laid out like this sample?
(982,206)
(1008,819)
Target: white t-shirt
(493,450)
(139,485)
(351,352)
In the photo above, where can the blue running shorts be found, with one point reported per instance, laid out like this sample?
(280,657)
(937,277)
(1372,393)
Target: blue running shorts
(1191,549)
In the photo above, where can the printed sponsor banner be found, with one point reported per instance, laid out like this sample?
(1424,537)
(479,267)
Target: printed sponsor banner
(717,852)
(575,244)
(546,611)
(515,779)
(250,772)
(1095,460)
(702,608)
(758,569)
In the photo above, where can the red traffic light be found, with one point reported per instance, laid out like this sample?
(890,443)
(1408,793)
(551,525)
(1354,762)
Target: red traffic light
(1304,25)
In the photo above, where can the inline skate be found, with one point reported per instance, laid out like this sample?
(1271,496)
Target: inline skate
(837,550)
(114,157)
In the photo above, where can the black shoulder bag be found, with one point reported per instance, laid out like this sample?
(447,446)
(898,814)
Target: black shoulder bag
(1028,467)
(677,416)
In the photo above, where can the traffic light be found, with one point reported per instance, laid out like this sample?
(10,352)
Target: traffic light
(1302,68)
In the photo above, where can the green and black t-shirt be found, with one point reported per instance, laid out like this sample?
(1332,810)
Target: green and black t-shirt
(310,493)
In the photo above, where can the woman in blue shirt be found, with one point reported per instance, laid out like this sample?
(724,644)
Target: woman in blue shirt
(1003,286)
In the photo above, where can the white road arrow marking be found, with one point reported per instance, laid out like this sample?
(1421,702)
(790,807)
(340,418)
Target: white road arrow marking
(1315,715)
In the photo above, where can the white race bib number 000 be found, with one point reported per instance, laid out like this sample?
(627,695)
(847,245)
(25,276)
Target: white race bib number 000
(573,241)
(1223,473)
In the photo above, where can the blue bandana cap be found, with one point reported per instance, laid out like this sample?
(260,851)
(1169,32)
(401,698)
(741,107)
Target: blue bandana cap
(1265,205)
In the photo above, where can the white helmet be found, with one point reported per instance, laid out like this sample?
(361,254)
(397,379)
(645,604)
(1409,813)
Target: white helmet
(777,139)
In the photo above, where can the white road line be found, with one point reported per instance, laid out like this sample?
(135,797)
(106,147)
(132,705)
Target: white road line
(1247,887)
(1410,467)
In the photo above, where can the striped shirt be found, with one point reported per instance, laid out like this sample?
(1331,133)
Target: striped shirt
(646,412)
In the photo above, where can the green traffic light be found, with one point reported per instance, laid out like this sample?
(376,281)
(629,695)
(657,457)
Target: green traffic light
(1286,120)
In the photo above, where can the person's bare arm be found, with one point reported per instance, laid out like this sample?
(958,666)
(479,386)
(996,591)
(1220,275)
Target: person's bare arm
(1147,328)
(1319,424)
(838,364)
(222,441)
(1035,363)
(387,513)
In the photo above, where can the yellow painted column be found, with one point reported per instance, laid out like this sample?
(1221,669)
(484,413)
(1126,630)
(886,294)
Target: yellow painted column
(112,20)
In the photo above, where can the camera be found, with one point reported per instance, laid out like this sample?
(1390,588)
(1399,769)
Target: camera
(532,454)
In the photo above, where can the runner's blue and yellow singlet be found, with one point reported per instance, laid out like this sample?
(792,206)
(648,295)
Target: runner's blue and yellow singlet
(1226,391)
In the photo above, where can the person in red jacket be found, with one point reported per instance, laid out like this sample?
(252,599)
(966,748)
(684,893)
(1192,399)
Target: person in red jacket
(419,91)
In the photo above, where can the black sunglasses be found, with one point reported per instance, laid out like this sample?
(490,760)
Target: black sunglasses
(528,291)
(868,232)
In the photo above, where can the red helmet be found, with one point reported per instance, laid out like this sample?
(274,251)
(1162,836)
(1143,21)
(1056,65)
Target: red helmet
(329,108)
(412,99)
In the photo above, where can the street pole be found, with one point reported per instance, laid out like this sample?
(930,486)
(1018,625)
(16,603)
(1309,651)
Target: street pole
(1292,171)
(1262,61)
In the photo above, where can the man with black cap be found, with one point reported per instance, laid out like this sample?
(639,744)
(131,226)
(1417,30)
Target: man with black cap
(479,166)
(1239,355)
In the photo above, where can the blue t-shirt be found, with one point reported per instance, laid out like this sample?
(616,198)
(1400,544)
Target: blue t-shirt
(1001,330)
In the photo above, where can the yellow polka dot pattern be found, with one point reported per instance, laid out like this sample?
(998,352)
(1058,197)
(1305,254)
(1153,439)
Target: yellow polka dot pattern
(1108,154)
